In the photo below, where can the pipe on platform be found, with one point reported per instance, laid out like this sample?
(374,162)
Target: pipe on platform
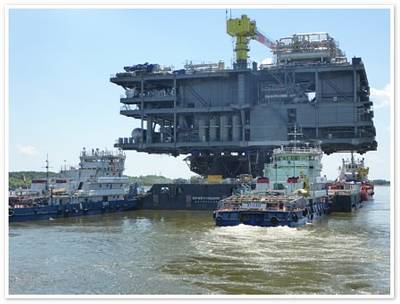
(213,128)
(202,129)
(236,127)
(224,128)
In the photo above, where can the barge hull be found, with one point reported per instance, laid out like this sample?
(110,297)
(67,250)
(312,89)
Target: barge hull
(346,202)
(185,196)
(70,210)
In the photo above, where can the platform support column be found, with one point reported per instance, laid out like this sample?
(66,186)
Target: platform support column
(149,132)
(243,119)
(142,108)
(355,101)
(317,97)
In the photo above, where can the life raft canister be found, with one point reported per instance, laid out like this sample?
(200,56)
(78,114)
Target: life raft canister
(274,221)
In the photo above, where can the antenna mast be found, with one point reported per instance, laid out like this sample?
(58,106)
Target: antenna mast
(295,134)
(47,172)
(352,165)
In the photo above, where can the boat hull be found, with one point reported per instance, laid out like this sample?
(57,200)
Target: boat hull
(346,202)
(271,218)
(186,196)
(70,210)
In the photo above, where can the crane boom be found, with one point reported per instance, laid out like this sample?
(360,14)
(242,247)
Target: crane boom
(264,40)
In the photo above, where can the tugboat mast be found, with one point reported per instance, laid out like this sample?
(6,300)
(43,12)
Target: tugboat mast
(47,172)
(352,165)
(294,141)
(295,134)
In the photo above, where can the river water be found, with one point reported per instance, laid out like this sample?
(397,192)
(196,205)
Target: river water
(182,252)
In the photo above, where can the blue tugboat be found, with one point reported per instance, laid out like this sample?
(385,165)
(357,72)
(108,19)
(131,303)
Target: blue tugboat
(96,187)
(292,193)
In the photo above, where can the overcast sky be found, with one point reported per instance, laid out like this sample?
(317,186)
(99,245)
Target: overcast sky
(61,99)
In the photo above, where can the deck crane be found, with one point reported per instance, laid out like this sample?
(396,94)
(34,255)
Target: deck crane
(244,29)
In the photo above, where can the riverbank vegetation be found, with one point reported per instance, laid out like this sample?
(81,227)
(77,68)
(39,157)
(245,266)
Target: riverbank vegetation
(23,179)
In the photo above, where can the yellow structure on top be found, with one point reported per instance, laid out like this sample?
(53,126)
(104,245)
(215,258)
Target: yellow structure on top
(214,179)
(243,29)
(362,173)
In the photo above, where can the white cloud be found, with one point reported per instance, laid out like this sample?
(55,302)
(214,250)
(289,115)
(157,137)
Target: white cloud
(27,150)
(381,97)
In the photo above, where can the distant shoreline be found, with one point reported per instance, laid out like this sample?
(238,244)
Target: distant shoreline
(380,182)
(23,179)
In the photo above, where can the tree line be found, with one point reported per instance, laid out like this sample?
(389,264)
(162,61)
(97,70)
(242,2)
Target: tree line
(23,179)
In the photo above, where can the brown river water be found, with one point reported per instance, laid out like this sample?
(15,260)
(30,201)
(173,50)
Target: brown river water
(182,252)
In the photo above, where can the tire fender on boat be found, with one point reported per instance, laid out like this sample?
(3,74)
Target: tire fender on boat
(274,221)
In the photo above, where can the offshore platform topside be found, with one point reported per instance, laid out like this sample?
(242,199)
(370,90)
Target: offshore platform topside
(228,120)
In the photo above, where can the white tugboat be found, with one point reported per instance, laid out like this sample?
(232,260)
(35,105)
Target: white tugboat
(352,186)
(292,193)
(97,186)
